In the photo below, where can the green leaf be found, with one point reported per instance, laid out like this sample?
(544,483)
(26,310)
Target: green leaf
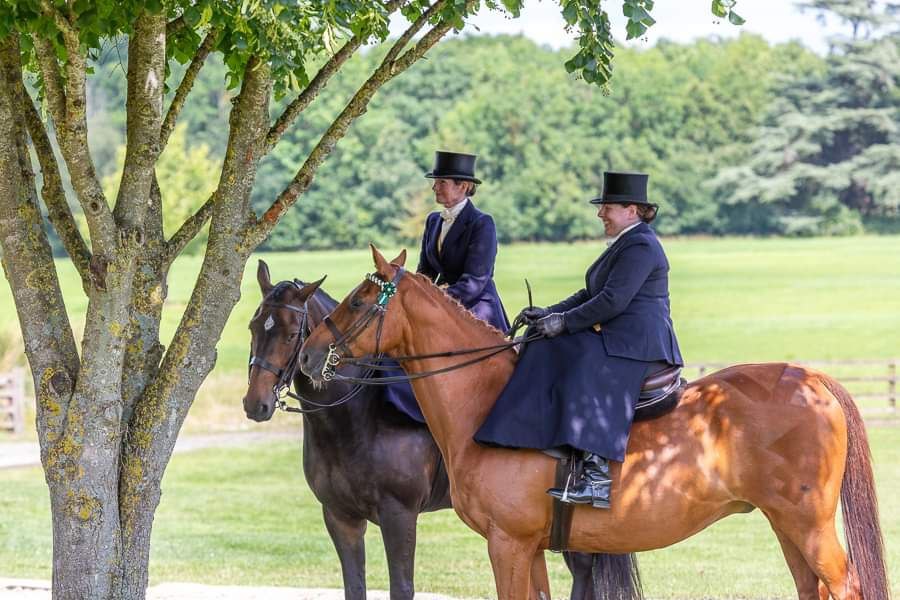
(718,9)
(192,16)
(735,18)
(639,14)
(570,12)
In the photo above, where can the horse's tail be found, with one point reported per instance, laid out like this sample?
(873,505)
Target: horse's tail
(859,504)
(616,577)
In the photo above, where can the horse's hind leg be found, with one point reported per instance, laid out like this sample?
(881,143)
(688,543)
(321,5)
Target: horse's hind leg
(398,530)
(825,555)
(817,545)
(580,565)
(348,536)
(804,578)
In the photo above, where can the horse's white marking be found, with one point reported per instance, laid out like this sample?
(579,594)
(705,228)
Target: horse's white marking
(270,323)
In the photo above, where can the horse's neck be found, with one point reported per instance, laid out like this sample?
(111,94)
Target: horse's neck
(455,404)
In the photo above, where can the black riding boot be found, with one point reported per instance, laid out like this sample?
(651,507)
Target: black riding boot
(593,488)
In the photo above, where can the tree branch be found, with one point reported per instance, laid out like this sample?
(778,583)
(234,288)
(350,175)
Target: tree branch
(28,262)
(58,18)
(54,87)
(68,108)
(175,25)
(387,70)
(188,231)
(332,66)
(144,114)
(53,193)
(184,88)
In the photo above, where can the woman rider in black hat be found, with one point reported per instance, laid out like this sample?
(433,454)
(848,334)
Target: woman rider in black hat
(577,387)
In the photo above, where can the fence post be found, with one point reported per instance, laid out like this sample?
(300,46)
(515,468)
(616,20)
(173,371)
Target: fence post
(892,384)
(12,398)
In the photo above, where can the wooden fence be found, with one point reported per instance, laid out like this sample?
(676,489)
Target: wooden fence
(873,383)
(12,401)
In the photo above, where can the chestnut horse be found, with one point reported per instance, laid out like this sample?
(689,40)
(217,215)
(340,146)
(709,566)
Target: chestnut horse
(779,437)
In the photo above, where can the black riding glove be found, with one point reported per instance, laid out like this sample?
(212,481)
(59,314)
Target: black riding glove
(532,313)
(552,325)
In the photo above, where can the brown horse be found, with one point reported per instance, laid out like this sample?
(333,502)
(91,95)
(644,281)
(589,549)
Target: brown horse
(779,437)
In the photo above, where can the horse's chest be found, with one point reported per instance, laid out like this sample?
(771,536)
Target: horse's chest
(343,484)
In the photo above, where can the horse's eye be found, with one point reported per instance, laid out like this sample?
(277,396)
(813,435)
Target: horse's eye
(356,302)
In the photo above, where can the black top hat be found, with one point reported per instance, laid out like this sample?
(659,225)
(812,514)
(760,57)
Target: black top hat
(623,188)
(453,165)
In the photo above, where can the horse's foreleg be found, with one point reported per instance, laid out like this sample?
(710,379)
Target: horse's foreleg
(398,530)
(540,582)
(348,536)
(511,560)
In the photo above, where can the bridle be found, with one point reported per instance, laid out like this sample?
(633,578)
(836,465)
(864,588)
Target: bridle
(378,310)
(285,375)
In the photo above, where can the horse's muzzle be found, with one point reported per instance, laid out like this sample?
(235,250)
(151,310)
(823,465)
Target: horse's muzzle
(259,410)
(311,365)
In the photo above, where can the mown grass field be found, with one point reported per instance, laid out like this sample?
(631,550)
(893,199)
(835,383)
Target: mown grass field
(247,517)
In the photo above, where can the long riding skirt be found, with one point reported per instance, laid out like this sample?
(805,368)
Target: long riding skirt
(567,392)
(400,394)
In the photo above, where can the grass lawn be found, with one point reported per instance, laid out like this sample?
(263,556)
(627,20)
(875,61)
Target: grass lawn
(246,517)
(733,299)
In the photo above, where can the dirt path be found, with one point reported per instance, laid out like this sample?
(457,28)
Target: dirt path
(27,454)
(27,589)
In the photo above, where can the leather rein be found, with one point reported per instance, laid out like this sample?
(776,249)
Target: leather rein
(285,375)
(378,310)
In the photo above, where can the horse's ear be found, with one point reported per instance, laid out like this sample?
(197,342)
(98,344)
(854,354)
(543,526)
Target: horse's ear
(401,258)
(381,265)
(262,276)
(309,289)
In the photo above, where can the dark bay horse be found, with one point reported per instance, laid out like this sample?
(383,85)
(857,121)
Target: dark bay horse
(778,437)
(363,460)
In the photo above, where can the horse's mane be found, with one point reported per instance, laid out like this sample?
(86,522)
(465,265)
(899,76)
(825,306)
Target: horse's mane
(464,312)
(320,295)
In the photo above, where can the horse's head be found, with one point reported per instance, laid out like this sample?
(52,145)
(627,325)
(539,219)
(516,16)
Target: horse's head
(361,324)
(276,332)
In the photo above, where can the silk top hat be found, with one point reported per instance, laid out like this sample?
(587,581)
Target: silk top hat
(453,165)
(623,188)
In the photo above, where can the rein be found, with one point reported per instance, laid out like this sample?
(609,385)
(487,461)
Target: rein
(387,290)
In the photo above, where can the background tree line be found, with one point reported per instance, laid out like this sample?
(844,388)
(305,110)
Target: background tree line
(740,136)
